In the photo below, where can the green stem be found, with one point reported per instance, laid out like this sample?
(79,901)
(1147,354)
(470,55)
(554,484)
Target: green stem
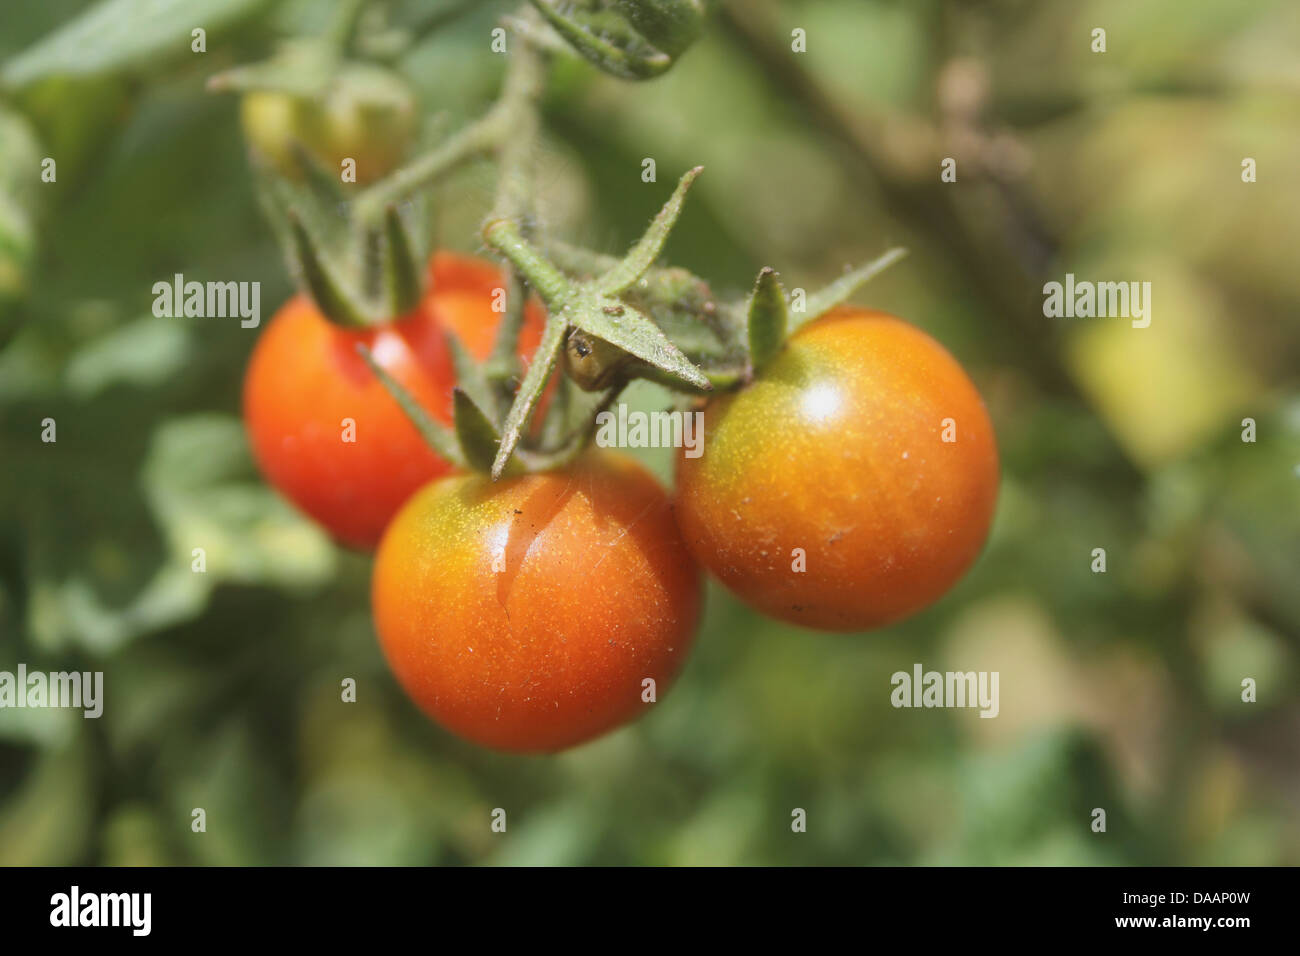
(507,129)
(504,236)
(479,138)
(515,183)
(574,444)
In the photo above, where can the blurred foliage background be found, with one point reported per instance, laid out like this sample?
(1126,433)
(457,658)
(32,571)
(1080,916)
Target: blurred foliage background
(1119,690)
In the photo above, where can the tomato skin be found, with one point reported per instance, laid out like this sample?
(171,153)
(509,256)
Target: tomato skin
(524,615)
(461,298)
(305,378)
(836,449)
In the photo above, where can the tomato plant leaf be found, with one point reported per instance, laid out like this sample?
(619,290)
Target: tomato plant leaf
(117,35)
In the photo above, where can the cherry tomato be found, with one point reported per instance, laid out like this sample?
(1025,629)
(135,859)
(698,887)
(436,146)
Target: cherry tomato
(525,615)
(826,493)
(324,430)
(367,114)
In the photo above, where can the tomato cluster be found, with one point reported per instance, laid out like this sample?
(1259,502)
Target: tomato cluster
(848,485)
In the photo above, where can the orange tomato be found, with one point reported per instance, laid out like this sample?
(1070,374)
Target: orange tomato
(324,430)
(826,494)
(525,615)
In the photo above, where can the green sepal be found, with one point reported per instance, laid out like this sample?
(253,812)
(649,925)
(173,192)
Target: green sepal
(822,301)
(440,438)
(402,264)
(647,249)
(631,330)
(325,280)
(322,183)
(476,434)
(471,378)
(530,390)
(576,441)
(303,67)
(768,320)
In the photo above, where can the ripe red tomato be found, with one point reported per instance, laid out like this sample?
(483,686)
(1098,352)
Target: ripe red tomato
(305,383)
(838,449)
(525,614)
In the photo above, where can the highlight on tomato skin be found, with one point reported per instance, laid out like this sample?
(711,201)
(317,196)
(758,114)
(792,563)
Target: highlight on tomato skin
(851,484)
(532,614)
(324,430)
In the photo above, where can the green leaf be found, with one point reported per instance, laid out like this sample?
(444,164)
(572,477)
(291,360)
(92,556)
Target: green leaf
(768,318)
(143,353)
(122,34)
(201,485)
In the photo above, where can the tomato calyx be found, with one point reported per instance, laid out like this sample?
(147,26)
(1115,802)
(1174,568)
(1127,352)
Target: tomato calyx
(770,321)
(610,321)
(611,332)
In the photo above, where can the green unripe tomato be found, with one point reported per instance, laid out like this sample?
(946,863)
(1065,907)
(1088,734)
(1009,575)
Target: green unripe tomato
(367,114)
